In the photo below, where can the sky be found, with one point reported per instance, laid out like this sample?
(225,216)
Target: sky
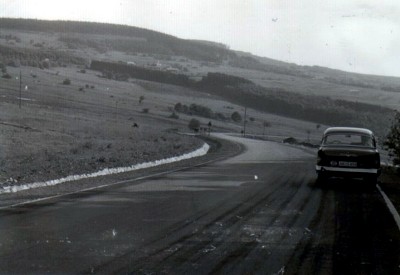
(352,35)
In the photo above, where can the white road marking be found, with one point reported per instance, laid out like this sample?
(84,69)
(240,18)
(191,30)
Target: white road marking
(107,171)
(391,207)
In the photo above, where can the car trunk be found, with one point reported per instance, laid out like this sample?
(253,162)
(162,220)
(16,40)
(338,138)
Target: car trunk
(350,157)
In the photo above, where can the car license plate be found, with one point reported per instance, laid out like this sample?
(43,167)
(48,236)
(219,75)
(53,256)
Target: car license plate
(348,163)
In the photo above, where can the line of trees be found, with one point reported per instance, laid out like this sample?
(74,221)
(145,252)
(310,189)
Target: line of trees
(36,58)
(318,109)
(113,70)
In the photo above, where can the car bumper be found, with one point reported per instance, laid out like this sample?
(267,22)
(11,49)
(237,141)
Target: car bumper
(347,170)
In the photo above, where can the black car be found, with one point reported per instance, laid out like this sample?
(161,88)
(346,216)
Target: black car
(348,152)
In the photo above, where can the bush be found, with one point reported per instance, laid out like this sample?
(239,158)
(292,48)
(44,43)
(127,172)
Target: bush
(194,109)
(392,142)
(236,117)
(178,107)
(194,125)
(67,81)
(200,110)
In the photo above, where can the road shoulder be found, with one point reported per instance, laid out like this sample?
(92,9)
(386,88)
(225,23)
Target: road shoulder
(389,182)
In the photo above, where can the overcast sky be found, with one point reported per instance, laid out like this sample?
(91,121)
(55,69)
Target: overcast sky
(352,35)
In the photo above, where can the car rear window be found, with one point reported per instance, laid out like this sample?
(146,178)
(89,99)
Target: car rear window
(348,139)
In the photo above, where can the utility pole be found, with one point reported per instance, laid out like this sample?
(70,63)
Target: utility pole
(244,122)
(20,88)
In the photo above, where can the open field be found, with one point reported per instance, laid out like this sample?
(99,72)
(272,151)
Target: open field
(60,130)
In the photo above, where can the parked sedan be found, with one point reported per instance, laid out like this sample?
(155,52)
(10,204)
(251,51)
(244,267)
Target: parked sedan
(348,152)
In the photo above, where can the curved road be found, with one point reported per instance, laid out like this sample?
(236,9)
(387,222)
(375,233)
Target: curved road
(259,212)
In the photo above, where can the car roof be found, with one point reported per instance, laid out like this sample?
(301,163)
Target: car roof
(348,130)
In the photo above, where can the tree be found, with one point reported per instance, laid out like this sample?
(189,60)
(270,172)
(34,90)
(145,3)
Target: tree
(236,117)
(392,142)
(194,125)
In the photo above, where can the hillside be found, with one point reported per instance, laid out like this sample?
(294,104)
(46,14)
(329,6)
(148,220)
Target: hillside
(316,94)
(134,40)
(119,38)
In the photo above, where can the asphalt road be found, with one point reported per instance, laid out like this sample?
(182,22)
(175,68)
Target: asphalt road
(259,212)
